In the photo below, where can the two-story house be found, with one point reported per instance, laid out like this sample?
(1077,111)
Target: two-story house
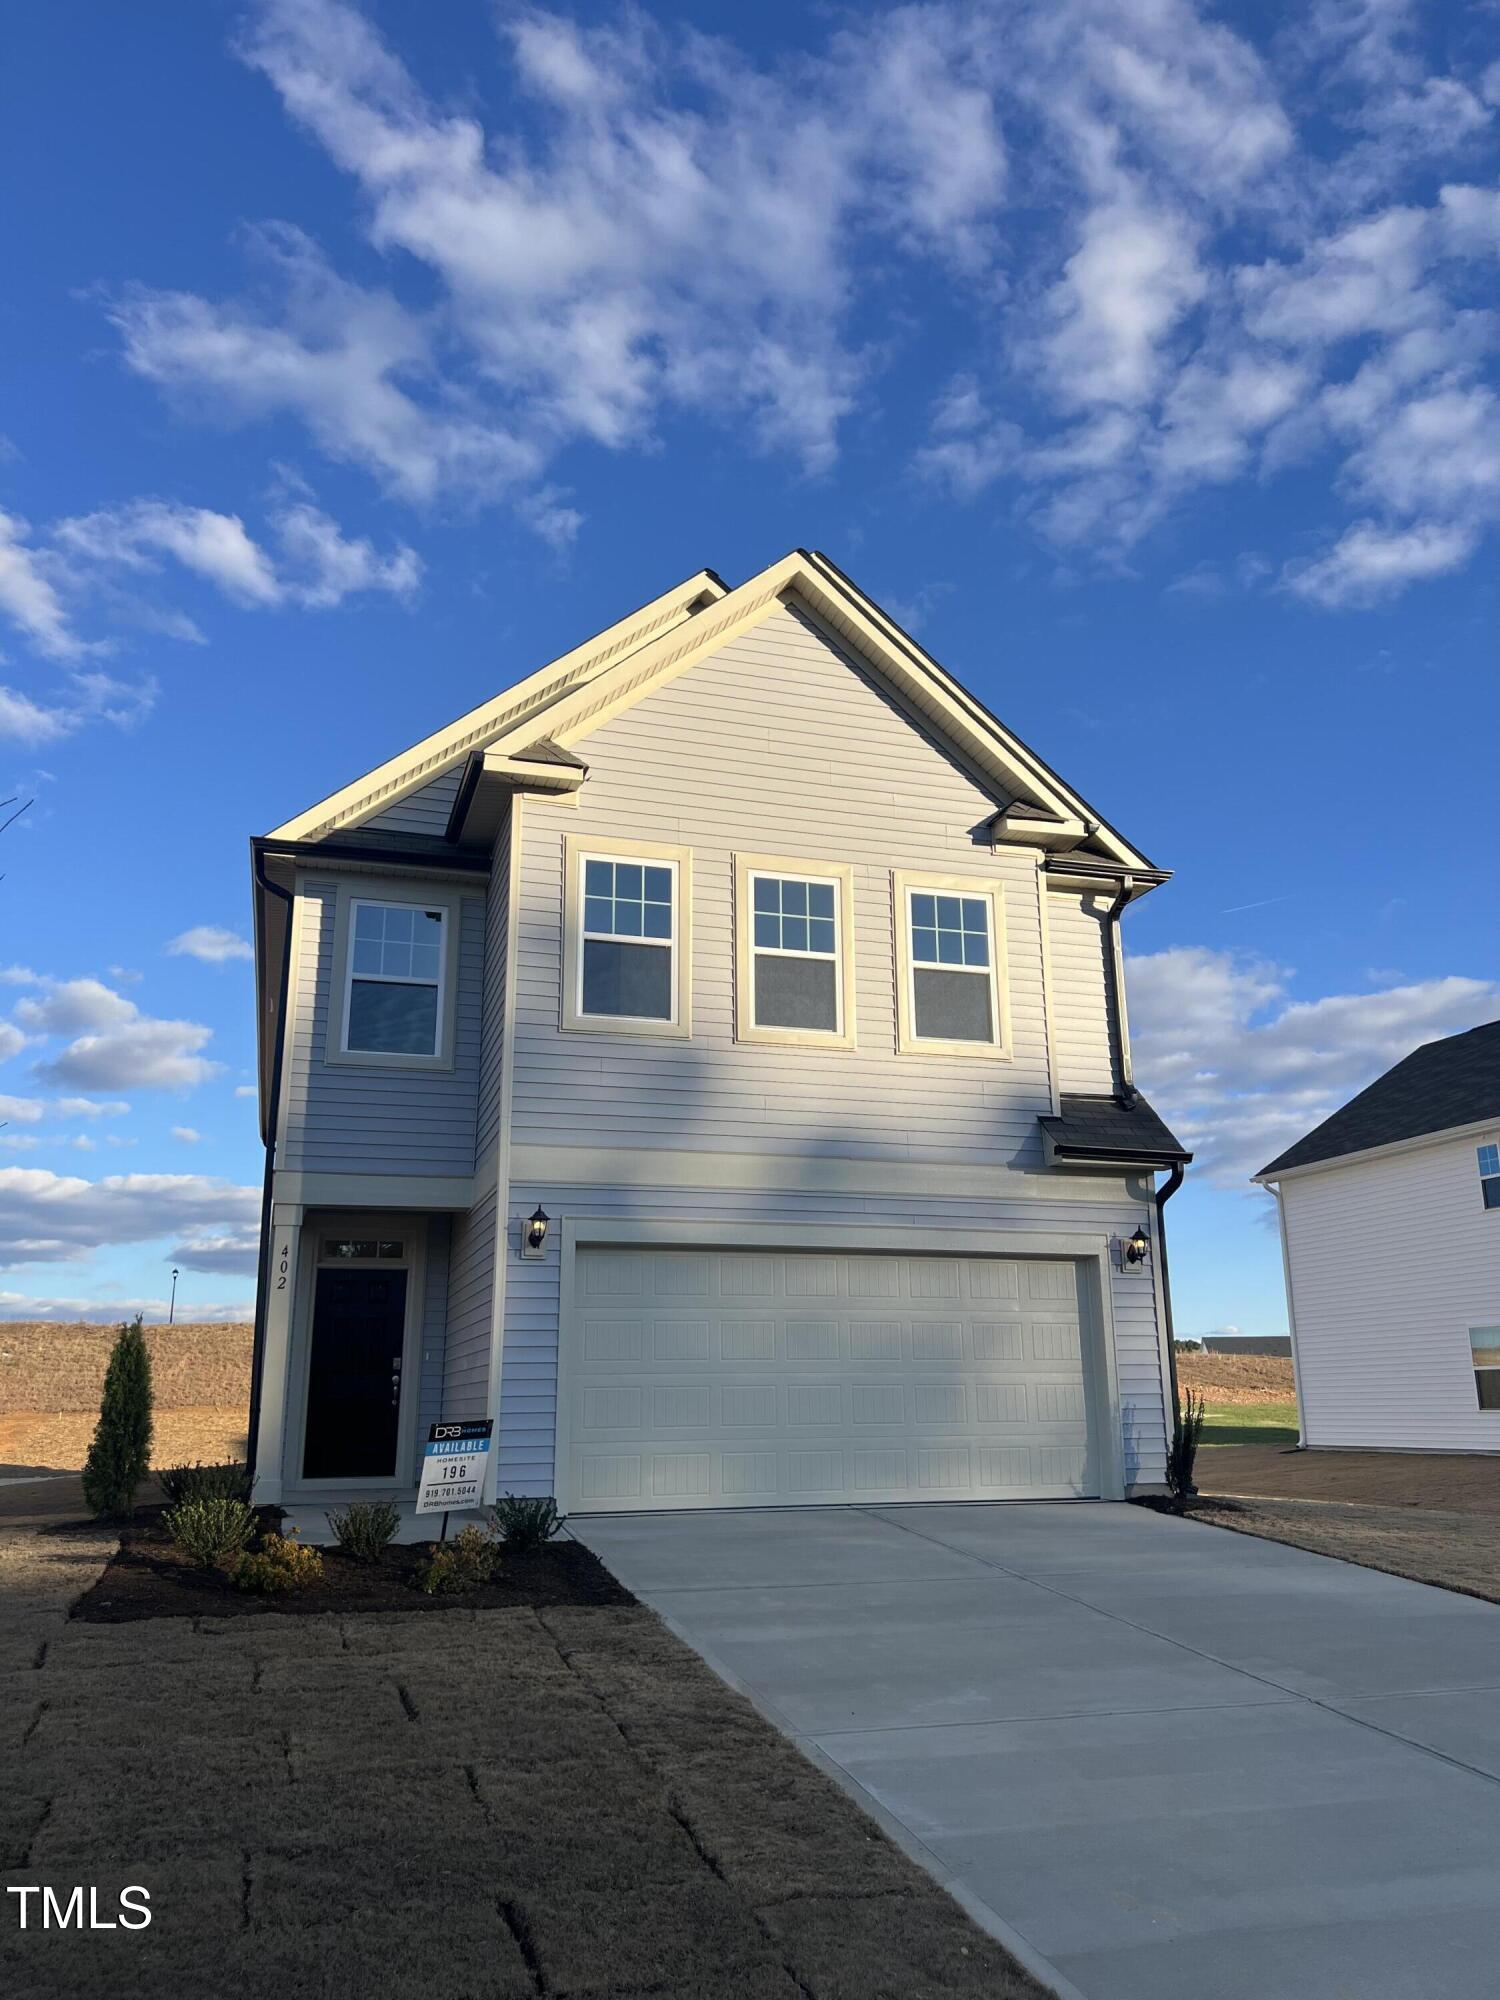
(709,1059)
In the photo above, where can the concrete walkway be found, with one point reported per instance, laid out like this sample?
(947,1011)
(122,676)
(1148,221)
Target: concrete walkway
(1178,1764)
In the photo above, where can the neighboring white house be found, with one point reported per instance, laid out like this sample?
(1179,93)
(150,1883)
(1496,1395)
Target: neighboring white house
(1390,1231)
(780,982)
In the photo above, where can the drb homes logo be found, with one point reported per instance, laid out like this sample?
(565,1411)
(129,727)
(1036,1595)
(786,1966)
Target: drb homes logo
(43,1908)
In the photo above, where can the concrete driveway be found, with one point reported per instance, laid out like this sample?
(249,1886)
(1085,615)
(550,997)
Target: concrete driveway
(1173,1763)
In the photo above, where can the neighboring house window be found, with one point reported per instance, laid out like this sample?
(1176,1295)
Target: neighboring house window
(793,925)
(1484,1341)
(626,945)
(950,940)
(394,998)
(1489,1175)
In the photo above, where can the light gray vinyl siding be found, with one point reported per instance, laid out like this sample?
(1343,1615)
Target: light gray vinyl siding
(466,1359)
(492,1051)
(434,1325)
(528,1409)
(1083,1009)
(425,810)
(1392,1261)
(777,744)
(361,1118)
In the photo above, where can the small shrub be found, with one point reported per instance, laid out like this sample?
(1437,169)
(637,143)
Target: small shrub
(229,1481)
(526,1524)
(211,1531)
(281,1563)
(1183,1450)
(120,1454)
(366,1528)
(465,1563)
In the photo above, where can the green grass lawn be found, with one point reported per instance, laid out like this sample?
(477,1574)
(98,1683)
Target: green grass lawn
(1250,1423)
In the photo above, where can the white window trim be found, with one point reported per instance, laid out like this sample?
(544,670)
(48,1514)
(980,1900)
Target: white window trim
(576,850)
(841,875)
(1485,1409)
(402,895)
(1484,1178)
(908,1042)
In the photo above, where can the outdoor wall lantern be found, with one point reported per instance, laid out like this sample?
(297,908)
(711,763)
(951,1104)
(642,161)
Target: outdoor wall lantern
(1137,1251)
(534,1234)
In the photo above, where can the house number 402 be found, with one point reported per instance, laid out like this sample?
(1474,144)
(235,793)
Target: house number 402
(283,1263)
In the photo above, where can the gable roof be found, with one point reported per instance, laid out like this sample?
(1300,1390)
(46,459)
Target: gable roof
(564,702)
(1436,1088)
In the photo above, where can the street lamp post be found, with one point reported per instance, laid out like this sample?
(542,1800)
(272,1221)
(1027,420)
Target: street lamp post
(172,1308)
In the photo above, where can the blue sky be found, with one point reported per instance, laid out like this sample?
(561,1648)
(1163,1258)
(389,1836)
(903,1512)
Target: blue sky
(357,361)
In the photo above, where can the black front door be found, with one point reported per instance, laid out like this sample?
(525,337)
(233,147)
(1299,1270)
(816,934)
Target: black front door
(354,1376)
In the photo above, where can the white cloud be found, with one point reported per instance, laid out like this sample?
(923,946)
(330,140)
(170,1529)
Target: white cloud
(29,599)
(233,1253)
(12,1041)
(210,942)
(27,1110)
(115,1045)
(105,1312)
(90,1107)
(186,1135)
(53,1218)
(1240,1070)
(1370,564)
(69,1005)
(143,1054)
(317,566)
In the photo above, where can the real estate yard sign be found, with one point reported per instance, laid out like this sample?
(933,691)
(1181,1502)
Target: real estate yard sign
(454,1466)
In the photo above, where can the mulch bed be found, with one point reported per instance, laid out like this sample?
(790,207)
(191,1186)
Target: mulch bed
(150,1578)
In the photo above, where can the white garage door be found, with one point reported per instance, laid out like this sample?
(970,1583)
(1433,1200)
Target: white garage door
(762,1378)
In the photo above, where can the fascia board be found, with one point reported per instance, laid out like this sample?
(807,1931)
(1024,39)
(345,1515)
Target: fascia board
(391,781)
(1417,1143)
(965,717)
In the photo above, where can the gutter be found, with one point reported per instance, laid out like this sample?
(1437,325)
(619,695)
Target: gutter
(452,862)
(1161,1197)
(1117,981)
(266,886)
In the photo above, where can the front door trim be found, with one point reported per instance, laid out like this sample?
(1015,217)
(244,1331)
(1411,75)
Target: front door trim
(1089,1251)
(318,1224)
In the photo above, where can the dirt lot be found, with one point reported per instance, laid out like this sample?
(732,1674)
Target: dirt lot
(54,1365)
(555,1801)
(1448,1482)
(1227,1379)
(59,1439)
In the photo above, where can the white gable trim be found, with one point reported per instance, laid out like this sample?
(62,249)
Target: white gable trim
(437,753)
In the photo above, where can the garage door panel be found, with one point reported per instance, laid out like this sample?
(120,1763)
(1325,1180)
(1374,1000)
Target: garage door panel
(702,1379)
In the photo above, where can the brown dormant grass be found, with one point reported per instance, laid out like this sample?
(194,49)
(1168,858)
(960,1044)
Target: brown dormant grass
(1238,1378)
(60,1438)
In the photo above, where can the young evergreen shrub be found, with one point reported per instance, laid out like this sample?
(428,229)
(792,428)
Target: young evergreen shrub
(280,1564)
(525,1524)
(212,1531)
(120,1454)
(465,1563)
(365,1529)
(1183,1450)
(231,1480)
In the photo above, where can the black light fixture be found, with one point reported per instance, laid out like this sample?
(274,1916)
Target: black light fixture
(535,1239)
(1137,1250)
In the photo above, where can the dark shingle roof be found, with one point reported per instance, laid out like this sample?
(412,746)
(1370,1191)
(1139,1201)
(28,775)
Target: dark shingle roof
(1447,1083)
(1106,1128)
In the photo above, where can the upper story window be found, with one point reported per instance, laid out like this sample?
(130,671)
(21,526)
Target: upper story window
(1489,1175)
(794,952)
(626,938)
(397,958)
(950,939)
